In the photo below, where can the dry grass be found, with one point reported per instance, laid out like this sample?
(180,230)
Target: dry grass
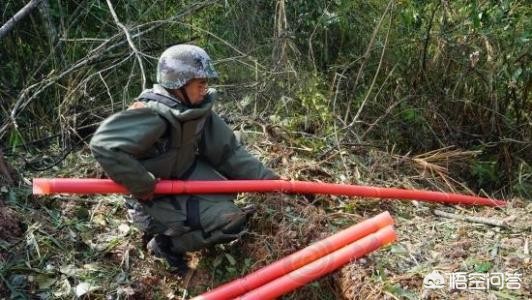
(74,240)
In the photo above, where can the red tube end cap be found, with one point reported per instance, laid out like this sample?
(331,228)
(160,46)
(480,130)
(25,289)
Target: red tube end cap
(41,186)
(383,219)
(386,235)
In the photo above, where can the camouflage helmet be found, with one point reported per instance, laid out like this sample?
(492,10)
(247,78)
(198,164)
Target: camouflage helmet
(181,63)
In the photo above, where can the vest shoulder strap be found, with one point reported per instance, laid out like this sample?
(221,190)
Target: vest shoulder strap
(171,132)
(148,95)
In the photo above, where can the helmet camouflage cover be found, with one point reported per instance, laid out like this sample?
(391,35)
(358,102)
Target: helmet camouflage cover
(181,63)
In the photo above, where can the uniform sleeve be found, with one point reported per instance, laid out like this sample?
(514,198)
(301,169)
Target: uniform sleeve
(121,140)
(220,147)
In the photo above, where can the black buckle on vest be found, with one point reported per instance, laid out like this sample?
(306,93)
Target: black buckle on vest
(193,214)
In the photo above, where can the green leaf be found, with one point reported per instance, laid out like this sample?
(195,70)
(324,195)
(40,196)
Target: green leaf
(402,293)
(398,249)
(483,267)
(15,140)
(44,281)
(217,261)
(517,73)
(231,259)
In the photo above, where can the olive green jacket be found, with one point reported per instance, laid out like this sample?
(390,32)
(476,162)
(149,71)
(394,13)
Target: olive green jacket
(137,146)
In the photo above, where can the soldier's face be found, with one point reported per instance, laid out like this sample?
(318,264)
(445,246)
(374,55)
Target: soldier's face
(196,90)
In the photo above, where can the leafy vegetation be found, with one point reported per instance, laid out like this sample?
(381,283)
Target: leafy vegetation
(412,94)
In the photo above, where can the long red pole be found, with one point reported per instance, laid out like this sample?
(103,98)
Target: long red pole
(298,259)
(43,186)
(322,266)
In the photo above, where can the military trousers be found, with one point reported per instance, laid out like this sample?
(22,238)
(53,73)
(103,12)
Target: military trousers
(192,222)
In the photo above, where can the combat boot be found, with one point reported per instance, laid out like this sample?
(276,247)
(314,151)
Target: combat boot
(160,246)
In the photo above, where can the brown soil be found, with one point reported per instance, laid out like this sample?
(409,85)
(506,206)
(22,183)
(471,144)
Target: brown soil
(9,226)
(9,223)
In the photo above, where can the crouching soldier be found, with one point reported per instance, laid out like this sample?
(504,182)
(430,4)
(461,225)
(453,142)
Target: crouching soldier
(171,132)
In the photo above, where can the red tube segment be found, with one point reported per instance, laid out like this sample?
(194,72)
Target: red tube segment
(45,186)
(42,186)
(322,266)
(296,260)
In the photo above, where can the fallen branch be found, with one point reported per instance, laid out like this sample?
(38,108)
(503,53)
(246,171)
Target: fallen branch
(482,220)
(21,14)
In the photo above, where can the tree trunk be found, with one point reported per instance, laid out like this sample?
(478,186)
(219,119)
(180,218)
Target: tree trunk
(51,31)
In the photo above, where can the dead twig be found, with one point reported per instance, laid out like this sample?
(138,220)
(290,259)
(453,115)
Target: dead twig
(437,162)
(227,43)
(21,14)
(357,115)
(130,42)
(526,251)
(186,282)
(33,91)
(365,57)
(386,113)
(482,220)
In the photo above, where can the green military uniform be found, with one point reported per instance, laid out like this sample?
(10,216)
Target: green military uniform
(169,140)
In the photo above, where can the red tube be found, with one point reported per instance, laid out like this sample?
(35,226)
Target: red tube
(322,266)
(42,186)
(296,260)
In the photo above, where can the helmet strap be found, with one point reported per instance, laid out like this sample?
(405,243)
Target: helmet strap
(186,99)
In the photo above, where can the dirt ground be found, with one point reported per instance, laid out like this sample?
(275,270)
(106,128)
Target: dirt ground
(53,246)
(9,229)
(9,223)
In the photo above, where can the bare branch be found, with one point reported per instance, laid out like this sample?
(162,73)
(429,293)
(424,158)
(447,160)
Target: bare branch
(31,92)
(130,42)
(482,220)
(357,115)
(21,14)
(224,42)
(366,56)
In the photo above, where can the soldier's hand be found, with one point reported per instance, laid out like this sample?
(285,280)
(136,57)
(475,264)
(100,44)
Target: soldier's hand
(145,197)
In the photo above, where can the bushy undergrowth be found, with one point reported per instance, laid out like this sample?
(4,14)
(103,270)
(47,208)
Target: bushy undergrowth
(424,94)
(415,76)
